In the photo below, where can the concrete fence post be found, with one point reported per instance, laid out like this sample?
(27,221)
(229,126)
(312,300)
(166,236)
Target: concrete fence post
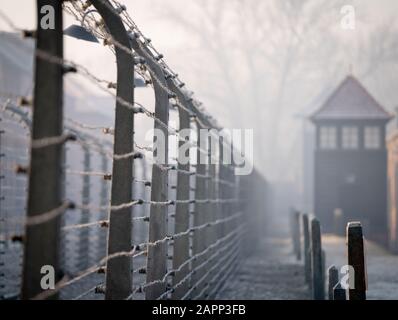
(356,259)
(223,188)
(118,270)
(158,221)
(201,210)
(318,285)
(210,233)
(182,215)
(231,206)
(45,181)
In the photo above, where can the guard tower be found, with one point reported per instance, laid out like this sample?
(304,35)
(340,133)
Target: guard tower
(351,160)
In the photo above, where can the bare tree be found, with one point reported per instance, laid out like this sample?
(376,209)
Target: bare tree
(266,60)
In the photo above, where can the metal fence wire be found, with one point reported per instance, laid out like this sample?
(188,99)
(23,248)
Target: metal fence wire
(96,203)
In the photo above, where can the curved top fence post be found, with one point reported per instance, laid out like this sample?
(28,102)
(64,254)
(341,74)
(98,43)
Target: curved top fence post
(157,255)
(118,270)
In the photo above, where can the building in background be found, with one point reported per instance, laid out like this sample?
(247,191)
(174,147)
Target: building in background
(350,161)
(392,147)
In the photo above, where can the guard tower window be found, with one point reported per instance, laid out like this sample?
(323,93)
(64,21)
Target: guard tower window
(372,137)
(350,137)
(328,137)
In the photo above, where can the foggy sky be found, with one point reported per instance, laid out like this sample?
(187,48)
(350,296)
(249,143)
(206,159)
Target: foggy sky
(185,53)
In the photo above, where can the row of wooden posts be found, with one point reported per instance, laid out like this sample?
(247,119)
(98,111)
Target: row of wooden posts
(346,283)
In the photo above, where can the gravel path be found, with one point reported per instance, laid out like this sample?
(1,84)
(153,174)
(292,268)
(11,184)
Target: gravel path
(271,273)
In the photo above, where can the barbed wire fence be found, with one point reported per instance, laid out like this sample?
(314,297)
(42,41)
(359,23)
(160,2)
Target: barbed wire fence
(113,220)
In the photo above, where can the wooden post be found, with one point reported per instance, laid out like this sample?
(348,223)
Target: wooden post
(333,279)
(306,249)
(318,286)
(356,259)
